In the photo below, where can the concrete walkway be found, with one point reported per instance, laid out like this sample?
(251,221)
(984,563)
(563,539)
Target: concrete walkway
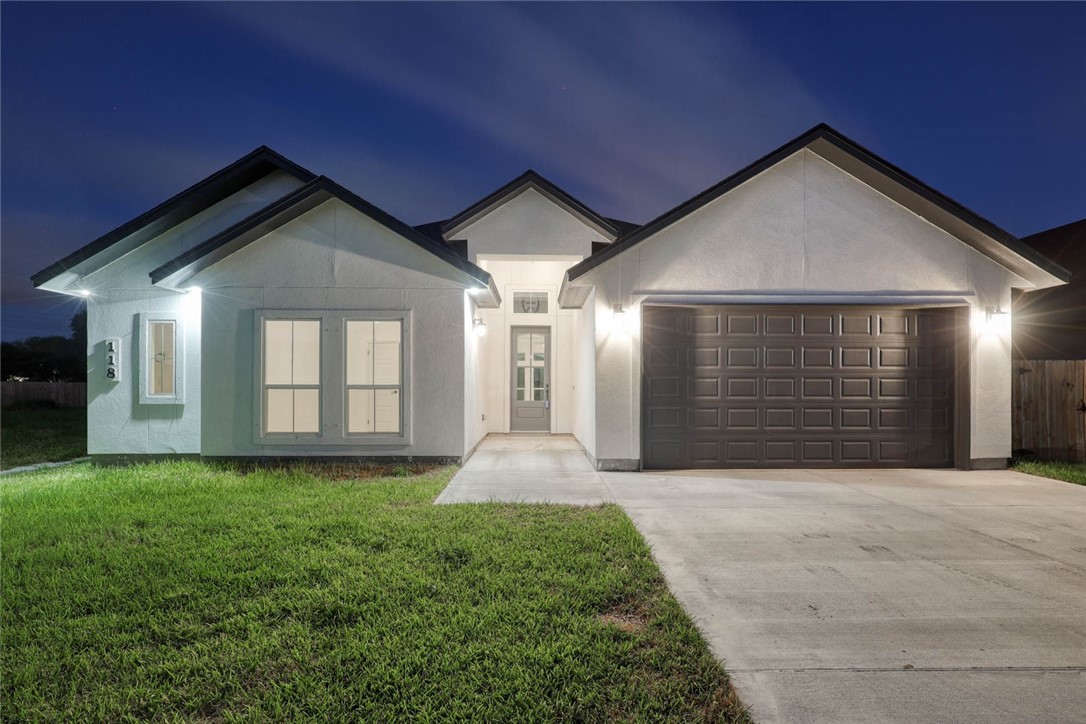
(854,596)
(528,469)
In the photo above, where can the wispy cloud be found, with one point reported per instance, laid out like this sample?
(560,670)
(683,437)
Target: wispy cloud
(636,108)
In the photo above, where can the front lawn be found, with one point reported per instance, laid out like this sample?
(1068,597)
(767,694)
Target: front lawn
(186,591)
(1068,472)
(41,435)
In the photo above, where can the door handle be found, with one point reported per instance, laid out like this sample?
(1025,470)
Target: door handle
(547,396)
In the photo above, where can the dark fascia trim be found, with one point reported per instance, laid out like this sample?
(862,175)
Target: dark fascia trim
(838,140)
(289,207)
(528,179)
(196,198)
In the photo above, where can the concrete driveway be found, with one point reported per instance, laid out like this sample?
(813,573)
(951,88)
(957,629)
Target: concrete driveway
(864,596)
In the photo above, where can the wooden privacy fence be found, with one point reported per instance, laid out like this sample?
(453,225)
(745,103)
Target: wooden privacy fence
(62,394)
(1050,409)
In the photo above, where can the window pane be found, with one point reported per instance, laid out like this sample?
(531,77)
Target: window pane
(359,410)
(520,384)
(386,411)
(307,410)
(539,348)
(162,357)
(524,348)
(537,384)
(386,353)
(279,411)
(277,352)
(359,353)
(307,352)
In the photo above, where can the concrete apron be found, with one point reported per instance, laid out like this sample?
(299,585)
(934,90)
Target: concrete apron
(859,596)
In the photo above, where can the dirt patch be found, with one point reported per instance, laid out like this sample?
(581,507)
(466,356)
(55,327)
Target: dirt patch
(627,617)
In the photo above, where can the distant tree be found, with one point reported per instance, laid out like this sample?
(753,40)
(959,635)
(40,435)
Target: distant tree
(53,358)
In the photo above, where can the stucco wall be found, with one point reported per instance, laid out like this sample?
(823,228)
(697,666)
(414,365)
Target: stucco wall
(529,223)
(801,232)
(334,258)
(475,372)
(584,376)
(120,291)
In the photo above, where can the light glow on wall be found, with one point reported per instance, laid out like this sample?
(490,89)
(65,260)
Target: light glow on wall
(995,322)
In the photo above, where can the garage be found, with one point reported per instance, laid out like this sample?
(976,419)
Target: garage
(805,386)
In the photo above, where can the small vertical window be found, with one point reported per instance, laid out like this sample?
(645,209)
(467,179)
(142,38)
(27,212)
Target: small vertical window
(292,376)
(161,359)
(374,376)
(162,364)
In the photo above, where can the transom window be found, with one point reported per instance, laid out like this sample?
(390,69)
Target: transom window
(292,376)
(529,302)
(374,376)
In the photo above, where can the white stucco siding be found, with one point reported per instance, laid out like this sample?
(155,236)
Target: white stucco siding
(584,376)
(117,424)
(801,232)
(513,273)
(334,258)
(529,223)
(475,371)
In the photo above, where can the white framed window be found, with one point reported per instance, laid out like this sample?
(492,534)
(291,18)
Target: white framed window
(161,359)
(530,303)
(374,377)
(291,369)
(332,378)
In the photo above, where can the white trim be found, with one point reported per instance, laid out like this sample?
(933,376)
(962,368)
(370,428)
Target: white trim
(333,387)
(143,366)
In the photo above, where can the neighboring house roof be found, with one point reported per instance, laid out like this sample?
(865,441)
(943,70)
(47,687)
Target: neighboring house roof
(529,180)
(176,271)
(905,189)
(196,198)
(1051,323)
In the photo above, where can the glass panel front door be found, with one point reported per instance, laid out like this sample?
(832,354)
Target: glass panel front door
(531,380)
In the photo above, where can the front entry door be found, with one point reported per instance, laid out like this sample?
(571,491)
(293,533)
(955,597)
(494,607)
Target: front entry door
(531,394)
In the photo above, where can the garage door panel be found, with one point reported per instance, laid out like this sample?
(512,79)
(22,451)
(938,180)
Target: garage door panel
(816,325)
(748,386)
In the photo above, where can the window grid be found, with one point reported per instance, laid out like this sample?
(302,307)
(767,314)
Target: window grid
(305,391)
(380,412)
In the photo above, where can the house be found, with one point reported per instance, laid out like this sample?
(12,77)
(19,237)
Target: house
(820,307)
(1050,323)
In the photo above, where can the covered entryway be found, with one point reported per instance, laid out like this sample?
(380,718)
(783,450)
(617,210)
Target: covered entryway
(810,386)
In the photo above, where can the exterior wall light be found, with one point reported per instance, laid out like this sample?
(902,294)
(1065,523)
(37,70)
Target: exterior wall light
(479,326)
(996,320)
(194,290)
(83,293)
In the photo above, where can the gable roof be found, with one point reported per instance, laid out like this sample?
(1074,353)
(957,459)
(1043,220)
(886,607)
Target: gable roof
(289,207)
(529,179)
(202,195)
(891,181)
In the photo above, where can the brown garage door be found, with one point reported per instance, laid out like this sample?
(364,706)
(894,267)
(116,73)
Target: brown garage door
(797,387)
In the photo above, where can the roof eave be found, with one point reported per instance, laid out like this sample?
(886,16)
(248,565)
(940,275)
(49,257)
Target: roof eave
(937,208)
(127,237)
(177,271)
(529,180)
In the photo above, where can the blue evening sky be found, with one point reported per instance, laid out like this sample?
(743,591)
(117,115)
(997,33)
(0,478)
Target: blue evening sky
(108,109)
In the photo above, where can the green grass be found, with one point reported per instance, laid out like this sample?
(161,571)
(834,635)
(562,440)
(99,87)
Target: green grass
(41,434)
(1068,472)
(185,591)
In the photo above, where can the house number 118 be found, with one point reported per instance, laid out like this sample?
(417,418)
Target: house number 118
(113,359)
